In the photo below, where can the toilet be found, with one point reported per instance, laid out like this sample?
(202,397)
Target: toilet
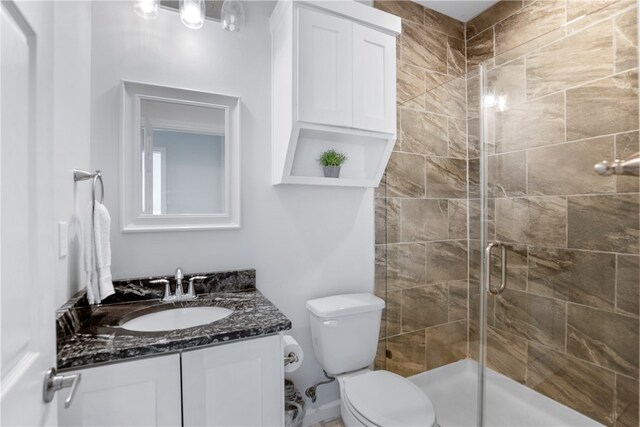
(344,331)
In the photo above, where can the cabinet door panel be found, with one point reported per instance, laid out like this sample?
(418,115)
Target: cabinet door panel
(374,80)
(325,68)
(141,393)
(237,384)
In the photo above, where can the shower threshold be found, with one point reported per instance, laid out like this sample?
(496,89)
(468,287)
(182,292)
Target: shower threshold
(452,389)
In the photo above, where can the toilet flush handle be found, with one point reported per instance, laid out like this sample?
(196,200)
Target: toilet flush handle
(330,323)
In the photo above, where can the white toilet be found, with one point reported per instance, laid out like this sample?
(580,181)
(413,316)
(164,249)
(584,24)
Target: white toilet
(344,329)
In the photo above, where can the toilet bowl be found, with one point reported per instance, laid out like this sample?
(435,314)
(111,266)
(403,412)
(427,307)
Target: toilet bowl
(381,398)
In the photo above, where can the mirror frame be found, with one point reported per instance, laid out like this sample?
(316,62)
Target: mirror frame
(131,217)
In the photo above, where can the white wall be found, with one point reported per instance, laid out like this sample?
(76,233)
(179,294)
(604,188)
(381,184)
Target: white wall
(304,241)
(71,133)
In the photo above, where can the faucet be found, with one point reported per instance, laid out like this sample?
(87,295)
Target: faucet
(179,276)
(179,295)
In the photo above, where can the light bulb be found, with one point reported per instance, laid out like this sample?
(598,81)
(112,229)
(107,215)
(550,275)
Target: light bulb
(147,9)
(192,13)
(232,15)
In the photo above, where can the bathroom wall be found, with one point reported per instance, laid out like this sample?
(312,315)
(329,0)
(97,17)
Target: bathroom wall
(304,241)
(567,325)
(421,207)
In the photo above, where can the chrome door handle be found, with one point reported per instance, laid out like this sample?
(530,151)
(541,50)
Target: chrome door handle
(54,382)
(487,267)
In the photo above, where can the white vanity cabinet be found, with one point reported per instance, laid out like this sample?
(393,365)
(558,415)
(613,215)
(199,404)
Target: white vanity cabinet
(140,393)
(334,86)
(236,384)
(239,384)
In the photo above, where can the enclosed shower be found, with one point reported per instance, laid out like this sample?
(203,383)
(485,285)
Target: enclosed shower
(509,265)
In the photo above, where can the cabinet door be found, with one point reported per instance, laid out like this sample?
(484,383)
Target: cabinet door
(237,384)
(141,393)
(374,80)
(325,68)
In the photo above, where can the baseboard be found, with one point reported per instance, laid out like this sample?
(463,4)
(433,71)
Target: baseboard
(322,413)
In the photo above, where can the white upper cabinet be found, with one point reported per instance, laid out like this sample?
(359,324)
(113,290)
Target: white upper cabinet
(334,86)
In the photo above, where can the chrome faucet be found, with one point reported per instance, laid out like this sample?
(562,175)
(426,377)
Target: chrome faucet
(179,294)
(179,276)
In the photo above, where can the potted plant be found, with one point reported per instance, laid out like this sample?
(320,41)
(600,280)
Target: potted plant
(331,160)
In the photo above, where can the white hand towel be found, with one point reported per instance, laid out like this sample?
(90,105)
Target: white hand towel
(102,233)
(97,253)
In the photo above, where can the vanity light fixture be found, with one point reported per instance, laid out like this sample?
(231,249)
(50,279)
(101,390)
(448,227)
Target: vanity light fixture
(147,9)
(232,16)
(192,13)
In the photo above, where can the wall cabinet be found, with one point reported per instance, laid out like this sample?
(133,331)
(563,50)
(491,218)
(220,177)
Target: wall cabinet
(334,86)
(236,384)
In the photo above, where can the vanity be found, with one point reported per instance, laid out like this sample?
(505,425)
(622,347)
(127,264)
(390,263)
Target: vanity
(221,373)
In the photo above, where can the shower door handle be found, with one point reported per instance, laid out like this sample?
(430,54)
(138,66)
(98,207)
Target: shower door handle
(503,263)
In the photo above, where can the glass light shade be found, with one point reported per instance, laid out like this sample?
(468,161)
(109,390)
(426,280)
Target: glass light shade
(147,9)
(192,13)
(232,15)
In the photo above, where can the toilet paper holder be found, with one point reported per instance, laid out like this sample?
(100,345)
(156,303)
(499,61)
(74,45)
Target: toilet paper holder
(290,358)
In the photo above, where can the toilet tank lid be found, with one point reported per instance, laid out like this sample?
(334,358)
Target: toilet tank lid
(344,305)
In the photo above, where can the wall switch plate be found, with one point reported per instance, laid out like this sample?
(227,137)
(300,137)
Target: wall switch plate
(63,239)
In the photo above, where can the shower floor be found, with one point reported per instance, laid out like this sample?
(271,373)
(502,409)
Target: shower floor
(452,389)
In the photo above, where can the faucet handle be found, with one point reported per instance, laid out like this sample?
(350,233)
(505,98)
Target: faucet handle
(167,289)
(192,292)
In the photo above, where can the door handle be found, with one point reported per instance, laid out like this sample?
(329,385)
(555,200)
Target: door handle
(54,382)
(487,269)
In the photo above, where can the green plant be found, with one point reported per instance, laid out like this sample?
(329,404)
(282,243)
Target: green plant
(332,157)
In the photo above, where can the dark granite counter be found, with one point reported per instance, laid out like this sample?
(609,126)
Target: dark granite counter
(89,335)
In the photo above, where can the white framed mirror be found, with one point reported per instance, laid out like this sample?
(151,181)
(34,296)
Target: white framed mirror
(180,163)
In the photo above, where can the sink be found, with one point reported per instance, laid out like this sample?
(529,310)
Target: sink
(176,318)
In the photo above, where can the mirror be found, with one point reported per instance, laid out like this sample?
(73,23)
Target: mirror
(181,159)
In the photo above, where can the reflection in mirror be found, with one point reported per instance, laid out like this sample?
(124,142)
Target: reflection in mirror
(181,159)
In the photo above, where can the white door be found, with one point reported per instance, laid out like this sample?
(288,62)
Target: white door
(27,327)
(374,80)
(325,66)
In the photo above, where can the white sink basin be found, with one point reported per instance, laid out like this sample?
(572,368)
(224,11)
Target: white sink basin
(176,318)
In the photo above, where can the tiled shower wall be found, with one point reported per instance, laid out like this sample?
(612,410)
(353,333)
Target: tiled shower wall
(423,263)
(567,325)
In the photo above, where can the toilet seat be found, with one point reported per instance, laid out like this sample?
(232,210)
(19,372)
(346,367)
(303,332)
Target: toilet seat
(383,398)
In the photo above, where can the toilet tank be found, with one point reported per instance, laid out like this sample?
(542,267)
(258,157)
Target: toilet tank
(344,330)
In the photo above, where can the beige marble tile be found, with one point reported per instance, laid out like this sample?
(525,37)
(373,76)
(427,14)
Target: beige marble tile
(380,361)
(627,285)
(457,137)
(446,261)
(424,48)
(603,107)
(480,49)
(424,307)
(508,80)
(507,174)
(568,168)
(476,220)
(445,24)
(457,211)
(406,354)
(410,84)
(582,13)
(492,16)
(532,220)
(626,402)
(579,385)
(405,9)
(380,270)
(530,46)
(507,354)
(405,267)
(424,133)
(572,61)
(607,339)
(533,124)
(393,317)
(456,60)
(448,98)
(626,34)
(604,223)
(406,175)
(532,21)
(533,317)
(336,422)
(458,300)
(576,276)
(424,220)
(627,145)
(446,177)
(387,220)
(446,344)
(473,98)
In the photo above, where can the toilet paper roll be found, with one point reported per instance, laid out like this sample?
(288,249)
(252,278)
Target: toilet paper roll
(290,345)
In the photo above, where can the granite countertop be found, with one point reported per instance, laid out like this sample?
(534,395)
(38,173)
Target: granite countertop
(89,335)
